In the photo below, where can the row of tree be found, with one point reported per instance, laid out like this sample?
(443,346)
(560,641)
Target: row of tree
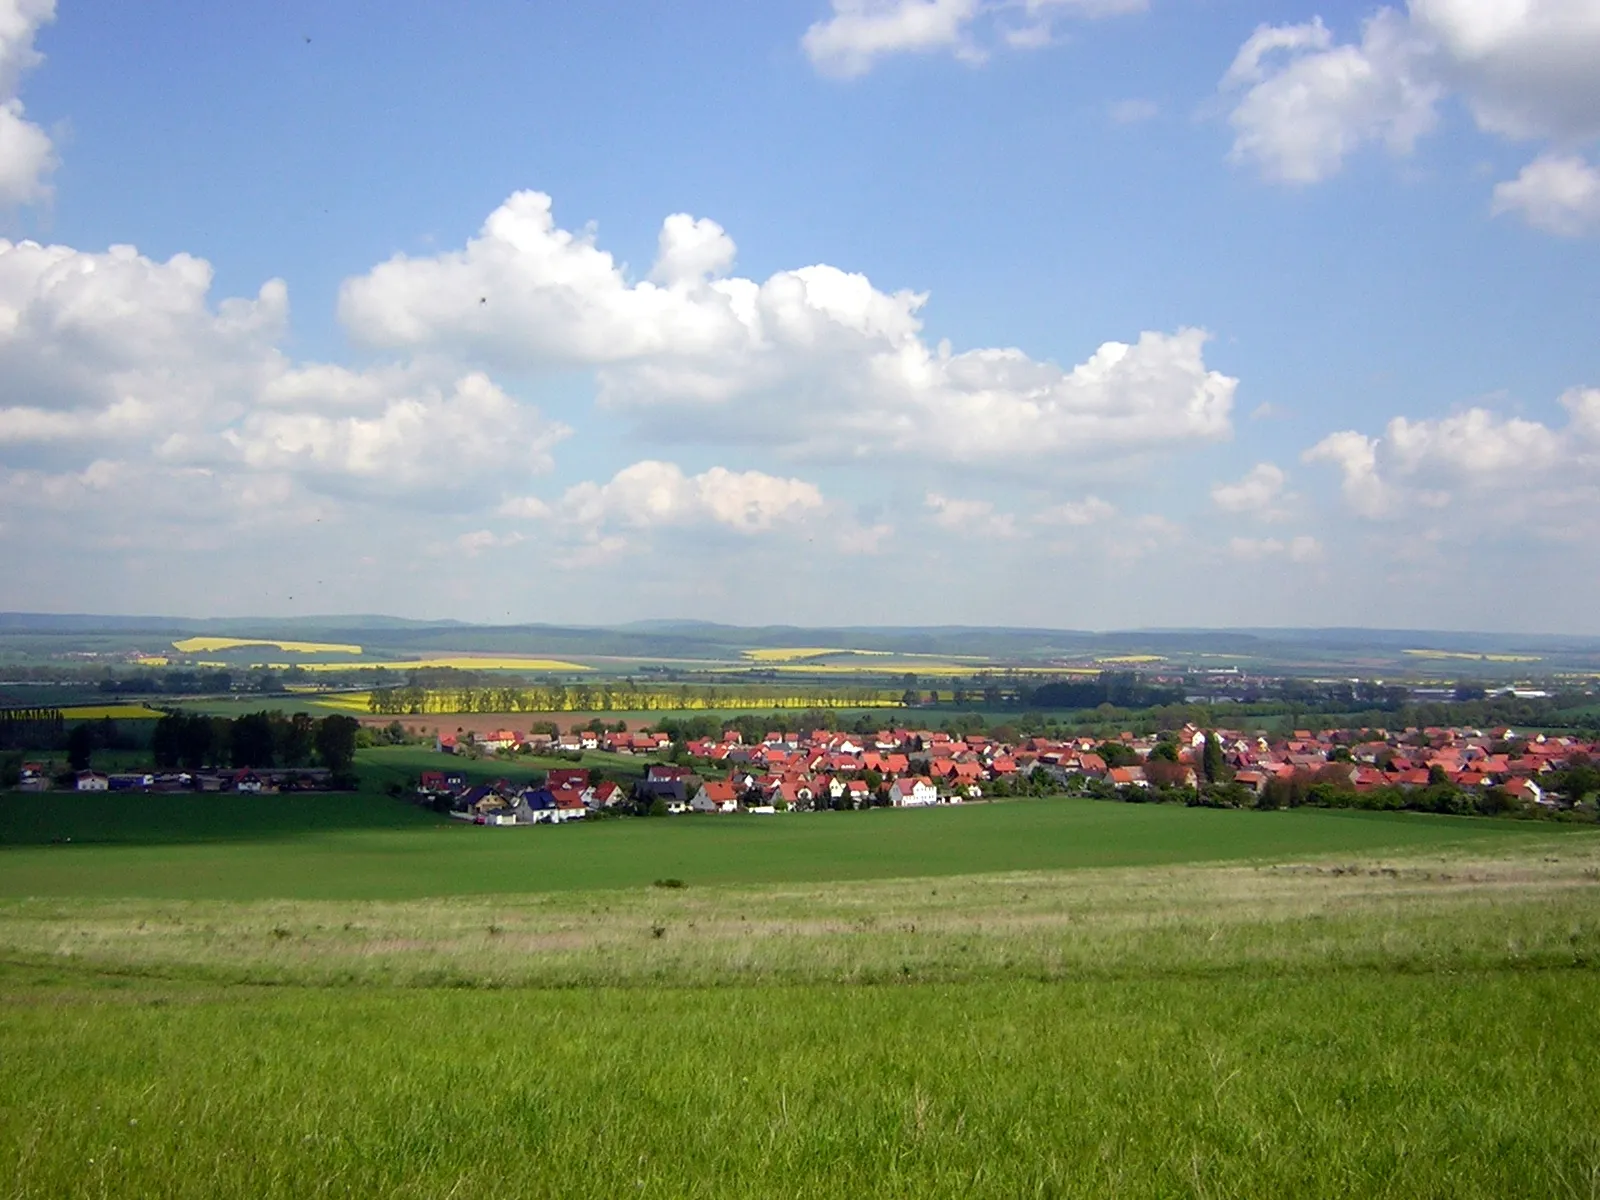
(265,739)
(621,697)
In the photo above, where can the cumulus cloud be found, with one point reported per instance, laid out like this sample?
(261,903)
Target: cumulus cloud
(593,522)
(1301,549)
(971,518)
(1526,68)
(653,494)
(1307,104)
(692,354)
(1559,194)
(125,389)
(1259,493)
(1473,455)
(1304,103)
(1091,510)
(860,32)
(27,156)
(437,439)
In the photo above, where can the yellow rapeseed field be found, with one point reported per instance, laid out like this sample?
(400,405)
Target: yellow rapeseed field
(459,662)
(1130,658)
(117,712)
(780,654)
(202,645)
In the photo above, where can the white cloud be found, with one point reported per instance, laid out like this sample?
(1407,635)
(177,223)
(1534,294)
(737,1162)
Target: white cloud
(860,32)
(435,440)
(972,518)
(1301,549)
(653,494)
(1477,455)
(116,367)
(731,359)
(1559,194)
(1308,104)
(26,155)
(1356,456)
(594,523)
(689,252)
(1525,68)
(1091,510)
(475,543)
(1258,493)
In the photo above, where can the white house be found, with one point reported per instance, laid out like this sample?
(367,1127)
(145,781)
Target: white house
(89,781)
(716,796)
(908,792)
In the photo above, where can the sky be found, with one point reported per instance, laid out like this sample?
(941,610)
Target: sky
(1089,314)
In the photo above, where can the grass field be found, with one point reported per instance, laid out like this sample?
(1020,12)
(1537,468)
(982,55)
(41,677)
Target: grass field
(277,997)
(372,847)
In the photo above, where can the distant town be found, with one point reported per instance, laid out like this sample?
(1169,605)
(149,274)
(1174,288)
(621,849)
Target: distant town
(1494,772)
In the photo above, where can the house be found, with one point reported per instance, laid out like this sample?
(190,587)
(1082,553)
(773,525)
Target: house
(565,777)
(432,781)
(1128,777)
(536,806)
(716,796)
(92,781)
(246,781)
(606,795)
(917,792)
(1526,790)
(570,805)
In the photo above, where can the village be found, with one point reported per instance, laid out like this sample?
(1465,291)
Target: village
(915,768)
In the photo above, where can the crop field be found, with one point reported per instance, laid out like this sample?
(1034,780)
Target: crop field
(210,645)
(1467,656)
(778,654)
(457,662)
(115,712)
(283,996)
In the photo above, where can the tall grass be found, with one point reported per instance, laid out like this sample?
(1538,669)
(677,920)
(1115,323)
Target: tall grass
(1406,1024)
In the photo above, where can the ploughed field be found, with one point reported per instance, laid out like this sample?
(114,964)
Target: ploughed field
(1033,998)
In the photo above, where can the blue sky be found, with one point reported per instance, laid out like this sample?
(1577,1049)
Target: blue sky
(1256,314)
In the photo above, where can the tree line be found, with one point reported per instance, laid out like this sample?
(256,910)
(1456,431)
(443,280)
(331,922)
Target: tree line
(194,742)
(418,701)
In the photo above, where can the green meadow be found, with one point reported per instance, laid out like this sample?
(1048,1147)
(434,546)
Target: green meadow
(303,996)
(362,846)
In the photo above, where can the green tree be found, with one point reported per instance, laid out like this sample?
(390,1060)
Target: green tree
(336,742)
(1212,764)
(252,740)
(80,746)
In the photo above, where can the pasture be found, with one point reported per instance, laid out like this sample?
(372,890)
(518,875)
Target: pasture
(283,996)
(364,846)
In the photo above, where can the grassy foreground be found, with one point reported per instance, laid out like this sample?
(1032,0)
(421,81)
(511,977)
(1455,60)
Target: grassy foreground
(358,847)
(1411,1021)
